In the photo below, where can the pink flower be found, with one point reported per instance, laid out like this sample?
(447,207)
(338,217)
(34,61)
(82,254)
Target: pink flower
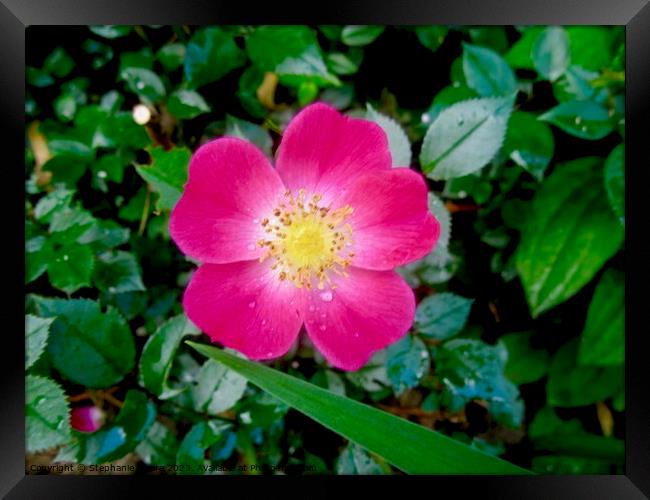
(86,418)
(314,241)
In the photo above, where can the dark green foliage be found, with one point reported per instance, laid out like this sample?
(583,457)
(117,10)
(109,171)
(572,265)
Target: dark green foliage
(518,337)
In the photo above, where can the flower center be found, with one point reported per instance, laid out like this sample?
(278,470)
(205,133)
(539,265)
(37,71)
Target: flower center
(307,241)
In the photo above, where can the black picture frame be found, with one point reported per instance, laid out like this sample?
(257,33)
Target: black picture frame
(16,15)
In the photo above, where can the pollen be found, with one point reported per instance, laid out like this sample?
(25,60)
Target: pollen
(304,240)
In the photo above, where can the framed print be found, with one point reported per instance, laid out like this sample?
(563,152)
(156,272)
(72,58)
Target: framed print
(375,240)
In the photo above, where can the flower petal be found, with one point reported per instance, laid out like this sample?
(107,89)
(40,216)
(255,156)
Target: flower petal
(366,312)
(391,222)
(231,187)
(243,307)
(322,150)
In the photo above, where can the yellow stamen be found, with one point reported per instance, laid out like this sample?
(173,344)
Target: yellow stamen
(305,240)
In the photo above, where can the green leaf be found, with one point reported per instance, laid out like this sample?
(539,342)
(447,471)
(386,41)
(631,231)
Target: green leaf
(431,36)
(551,433)
(603,339)
(65,107)
(570,384)
(398,142)
(520,54)
(341,64)
(251,132)
(167,174)
(354,460)
(66,169)
(187,104)
(218,388)
(529,143)
(37,77)
(569,234)
(69,224)
(211,54)
(591,46)
(492,37)
(574,85)
(329,380)
(465,137)
(568,465)
(111,30)
(109,167)
(88,346)
(307,92)
(356,36)
(472,370)
(58,63)
(117,272)
(142,58)
(406,445)
(120,130)
(551,54)
(487,72)
(39,254)
(331,31)
(445,98)
(525,364)
(131,426)
(200,437)
(158,355)
(102,53)
(69,147)
(104,234)
(290,52)
(144,83)
(51,203)
(583,119)
(159,446)
(615,180)
(171,56)
(407,361)
(442,315)
(47,416)
(373,377)
(36,333)
(71,268)
(249,82)
(474,185)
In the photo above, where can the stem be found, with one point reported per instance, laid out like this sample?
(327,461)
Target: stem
(145,211)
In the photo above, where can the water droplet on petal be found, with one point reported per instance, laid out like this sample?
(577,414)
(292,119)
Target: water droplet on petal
(269,354)
(251,247)
(323,328)
(323,315)
(256,221)
(355,334)
(326,296)
(251,304)
(311,308)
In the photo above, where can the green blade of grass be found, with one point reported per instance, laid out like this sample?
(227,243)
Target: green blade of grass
(410,447)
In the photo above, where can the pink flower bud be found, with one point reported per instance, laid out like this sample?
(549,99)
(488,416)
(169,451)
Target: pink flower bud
(87,418)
